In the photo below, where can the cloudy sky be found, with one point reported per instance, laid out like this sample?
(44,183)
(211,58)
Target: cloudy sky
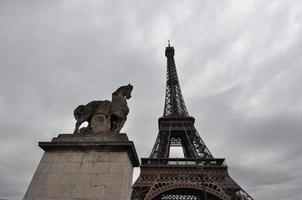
(239,65)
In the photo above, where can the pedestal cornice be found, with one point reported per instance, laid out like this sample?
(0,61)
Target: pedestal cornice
(105,142)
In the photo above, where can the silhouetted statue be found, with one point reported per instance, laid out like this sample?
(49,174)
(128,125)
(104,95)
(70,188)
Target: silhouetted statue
(104,116)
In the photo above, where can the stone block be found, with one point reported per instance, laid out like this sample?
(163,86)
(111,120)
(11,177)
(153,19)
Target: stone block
(76,157)
(113,191)
(50,179)
(57,191)
(98,191)
(68,179)
(48,157)
(70,167)
(117,168)
(90,156)
(118,157)
(34,192)
(45,167)
(102,157)
(84,179)
(77,167)
(60,157)
(83,191)
(107,179)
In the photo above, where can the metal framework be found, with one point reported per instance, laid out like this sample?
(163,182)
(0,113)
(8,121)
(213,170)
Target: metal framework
(174,101)
(197,176)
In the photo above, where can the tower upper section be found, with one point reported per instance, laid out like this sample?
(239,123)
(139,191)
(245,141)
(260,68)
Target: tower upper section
(174,102)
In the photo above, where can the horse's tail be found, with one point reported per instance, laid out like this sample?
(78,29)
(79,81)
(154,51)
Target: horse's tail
(79,112)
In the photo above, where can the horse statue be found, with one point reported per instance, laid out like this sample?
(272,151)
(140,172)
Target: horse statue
(104,116)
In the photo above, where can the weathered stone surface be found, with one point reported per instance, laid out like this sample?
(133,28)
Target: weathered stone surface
(104,137)
(100,123)
(83,173)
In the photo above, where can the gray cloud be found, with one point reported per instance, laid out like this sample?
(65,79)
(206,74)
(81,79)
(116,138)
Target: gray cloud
(238,64)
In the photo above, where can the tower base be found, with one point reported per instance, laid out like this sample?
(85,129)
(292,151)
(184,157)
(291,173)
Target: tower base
(186,179)
(78,166)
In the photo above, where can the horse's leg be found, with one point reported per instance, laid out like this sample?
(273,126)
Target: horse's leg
(120,126)
(78,124)
(120,123)
(113,122)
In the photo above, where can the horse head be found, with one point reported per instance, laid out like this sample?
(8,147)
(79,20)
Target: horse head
(125,91)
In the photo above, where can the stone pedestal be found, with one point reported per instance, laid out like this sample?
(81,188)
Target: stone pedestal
(85,167)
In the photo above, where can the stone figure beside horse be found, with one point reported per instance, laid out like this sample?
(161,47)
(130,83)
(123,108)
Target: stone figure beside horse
(104,116)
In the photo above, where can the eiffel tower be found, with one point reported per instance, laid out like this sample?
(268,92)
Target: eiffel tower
(196,176)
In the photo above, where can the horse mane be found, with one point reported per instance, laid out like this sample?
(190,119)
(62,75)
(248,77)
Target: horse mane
(116,92)
(130,87)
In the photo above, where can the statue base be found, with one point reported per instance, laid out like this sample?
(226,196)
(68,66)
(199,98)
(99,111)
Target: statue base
(76,166)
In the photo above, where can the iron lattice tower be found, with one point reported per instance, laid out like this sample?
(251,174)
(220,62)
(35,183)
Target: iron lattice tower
(196,176)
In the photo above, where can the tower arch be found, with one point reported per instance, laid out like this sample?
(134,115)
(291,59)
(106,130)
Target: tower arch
(186,193)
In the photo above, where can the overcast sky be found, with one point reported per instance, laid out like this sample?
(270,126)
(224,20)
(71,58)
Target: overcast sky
(239,65)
